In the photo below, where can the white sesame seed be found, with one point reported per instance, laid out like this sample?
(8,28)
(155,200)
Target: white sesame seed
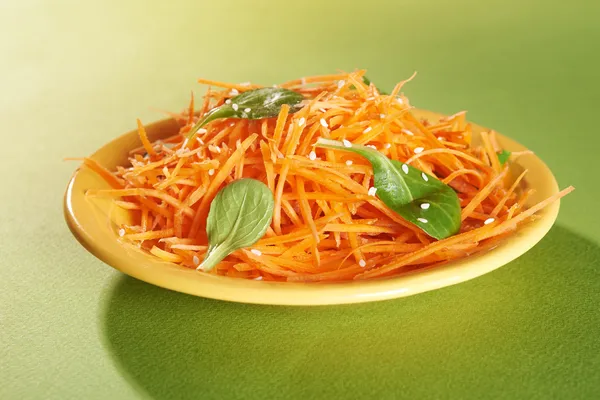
(441,139)
(405,168)
(247,110)
(196,260)
(202,130)
(400,101)
(303,80)
(382,116)
(245,84)
(489,221)
(348,162)
(387,145)
(184,144)
(422,220)
(121,232)
(367,129)
(256,252)
(424,176)
(341,84)
(211,172)
(322,110)
(200,141)
(258,278)
(323,122)
(234,92)
(228,101)
(346,143)
(362,263)
(372,147)
(407,132)
(312,155)
(370,98)
(419,150)
(279,155)
(425,206)
(235,106)
(301,121)
(372,191)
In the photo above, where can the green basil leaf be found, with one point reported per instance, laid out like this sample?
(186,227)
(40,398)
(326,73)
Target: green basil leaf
(253,104)
(503,156)
(417,197)
(239,216)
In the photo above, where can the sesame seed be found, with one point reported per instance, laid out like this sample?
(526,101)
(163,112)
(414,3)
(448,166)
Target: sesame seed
(279,155)
(234,92)
(322,110)
(370,98)
(228,101)
(200,141)
(400,101)
(407,132)
(245,84)
(349,162)
(419,150)
(422,220)
(247,110)
(323,122)
(341,84)
(312,155)
(235,107)
(387,145)
(196,260)
(367,129)
(184,144)
(211,172)
(301,121)
(121,232)
(489,221)
(424,176)
(382,116)
(346,143)
(258,278)
(362,263)
(405,168)
(202,130)
(303,80)
(441,139)
(256,252)
(372,191)
(425,206)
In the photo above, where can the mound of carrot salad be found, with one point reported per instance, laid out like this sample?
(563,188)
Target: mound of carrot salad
(323,178)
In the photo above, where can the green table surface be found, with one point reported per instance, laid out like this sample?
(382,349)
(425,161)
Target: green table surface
(75,74)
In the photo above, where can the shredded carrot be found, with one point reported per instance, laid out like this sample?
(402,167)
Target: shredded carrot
(326,227)
(144,138)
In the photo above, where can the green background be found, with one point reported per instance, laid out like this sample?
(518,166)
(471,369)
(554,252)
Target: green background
(73,75)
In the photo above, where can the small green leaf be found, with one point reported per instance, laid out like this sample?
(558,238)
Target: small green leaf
(503,156)
(367,82)
(239,216)
(253,104)
(417,197)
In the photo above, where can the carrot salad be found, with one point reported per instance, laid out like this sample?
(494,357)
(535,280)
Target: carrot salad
(328,224)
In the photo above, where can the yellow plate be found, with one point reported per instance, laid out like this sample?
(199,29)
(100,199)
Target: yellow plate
(94,222)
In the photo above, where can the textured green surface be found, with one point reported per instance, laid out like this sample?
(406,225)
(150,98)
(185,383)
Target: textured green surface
(75,74)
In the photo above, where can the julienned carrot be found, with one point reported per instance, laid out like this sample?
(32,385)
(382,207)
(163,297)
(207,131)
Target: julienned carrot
(326,227)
